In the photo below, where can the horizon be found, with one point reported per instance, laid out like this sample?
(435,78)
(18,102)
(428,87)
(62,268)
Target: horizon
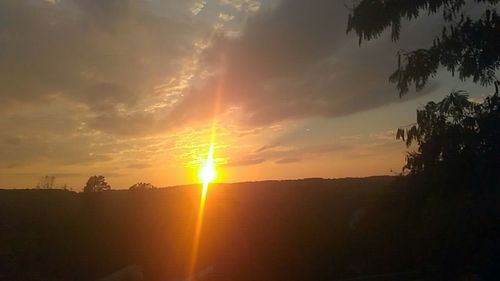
(79,189)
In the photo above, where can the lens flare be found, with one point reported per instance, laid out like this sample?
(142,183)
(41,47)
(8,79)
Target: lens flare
(207,172)
(207,175)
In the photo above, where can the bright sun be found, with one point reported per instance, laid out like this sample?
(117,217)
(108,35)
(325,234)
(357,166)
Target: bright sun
(207,173)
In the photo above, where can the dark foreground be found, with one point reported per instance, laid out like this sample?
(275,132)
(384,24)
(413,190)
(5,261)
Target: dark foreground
(366,229)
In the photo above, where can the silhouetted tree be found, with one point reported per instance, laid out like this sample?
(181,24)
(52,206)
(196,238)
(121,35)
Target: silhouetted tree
(49,182)
(96,184)
(46,182)
(458,141)
(142,186)
(469,46)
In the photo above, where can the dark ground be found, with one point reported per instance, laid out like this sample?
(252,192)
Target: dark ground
(311,229)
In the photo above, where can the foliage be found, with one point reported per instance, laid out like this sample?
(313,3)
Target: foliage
(458,140)
(142,186)
(469,46)
(96,184)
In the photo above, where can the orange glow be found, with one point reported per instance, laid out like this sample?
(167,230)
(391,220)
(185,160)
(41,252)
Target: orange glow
(197,234)
(207,175)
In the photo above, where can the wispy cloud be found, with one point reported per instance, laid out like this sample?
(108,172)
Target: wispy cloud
(198,7)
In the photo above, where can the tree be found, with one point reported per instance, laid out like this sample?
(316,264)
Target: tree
(47,182)
(458,142)
(96,184)
(455,137)
(469,46)
(142,186)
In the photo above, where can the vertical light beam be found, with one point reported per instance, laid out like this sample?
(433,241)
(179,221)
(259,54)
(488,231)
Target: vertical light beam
(207,175)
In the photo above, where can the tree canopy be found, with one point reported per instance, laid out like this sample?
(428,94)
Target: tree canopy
(458,141)
(96,184)
(469,46)
(142,186)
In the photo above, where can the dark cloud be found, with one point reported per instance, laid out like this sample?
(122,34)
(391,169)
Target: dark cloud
(105,55)
(292,61)
(245,161)
(80,80)
(63,151)
(78,70)
(56,175)
(296,61)
(289,154)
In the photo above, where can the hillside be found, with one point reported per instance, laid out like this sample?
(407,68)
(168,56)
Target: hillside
(311,229)
(274,230)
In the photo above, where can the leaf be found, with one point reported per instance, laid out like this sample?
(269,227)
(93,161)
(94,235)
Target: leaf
(400,134)
(411,135)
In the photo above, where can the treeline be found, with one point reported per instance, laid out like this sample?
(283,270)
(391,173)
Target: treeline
(95,183)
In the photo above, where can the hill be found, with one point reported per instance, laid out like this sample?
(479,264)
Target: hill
(311,229)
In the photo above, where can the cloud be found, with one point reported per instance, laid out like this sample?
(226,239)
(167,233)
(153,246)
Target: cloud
(289,148)
(78,77)
(266,147)
(103,83)
(139,166)
(107,56)
(198,7)
(287,160)
(245,5)
(129,70)
(245,161)
(282,154)
(295,61)
(226,17)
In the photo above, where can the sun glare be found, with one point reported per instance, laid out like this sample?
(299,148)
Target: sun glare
(207,173)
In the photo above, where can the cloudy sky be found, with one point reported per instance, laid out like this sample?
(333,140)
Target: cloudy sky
(130,89)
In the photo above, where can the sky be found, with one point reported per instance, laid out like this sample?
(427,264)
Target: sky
(131,89)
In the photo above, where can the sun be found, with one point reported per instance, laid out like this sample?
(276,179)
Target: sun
(208,173)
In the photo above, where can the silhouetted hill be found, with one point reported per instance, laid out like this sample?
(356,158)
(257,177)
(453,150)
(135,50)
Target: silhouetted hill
(311,229)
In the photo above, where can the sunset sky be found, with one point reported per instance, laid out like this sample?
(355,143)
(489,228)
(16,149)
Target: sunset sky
(131,89)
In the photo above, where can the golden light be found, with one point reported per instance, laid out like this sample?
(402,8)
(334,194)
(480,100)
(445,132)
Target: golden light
(208,173)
